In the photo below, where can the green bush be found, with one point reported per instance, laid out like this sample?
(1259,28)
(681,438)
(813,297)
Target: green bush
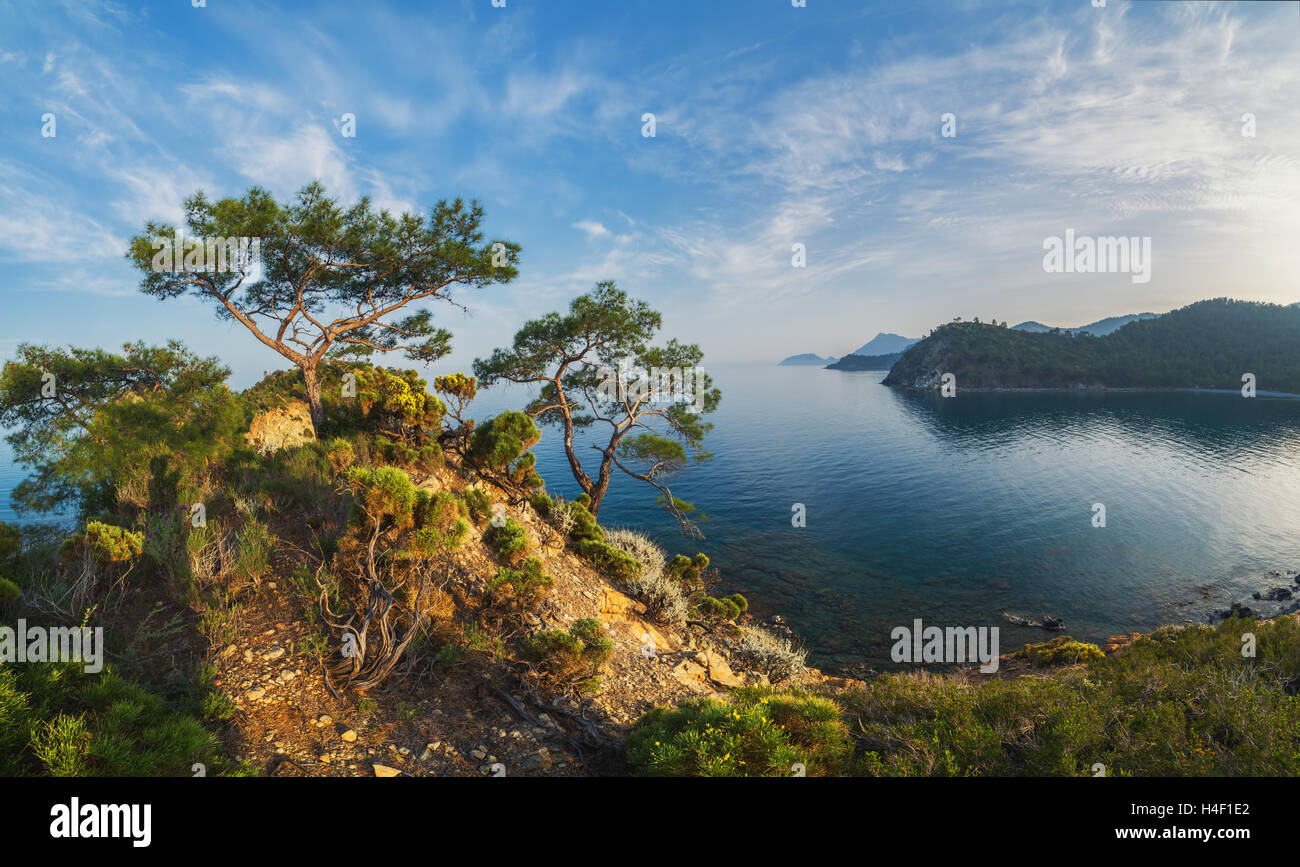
(758,733)
(104,543)
(341,455)
(501,445)
(572,660)
(383,494)
(1061,650)
(9,591)
(525,584)
(509,540)
(686,570)
(440,523)
(587,540)
(725,609)
(55,720)
(478,504)
(542,503)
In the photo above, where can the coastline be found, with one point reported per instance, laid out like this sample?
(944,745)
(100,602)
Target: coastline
(1094,389)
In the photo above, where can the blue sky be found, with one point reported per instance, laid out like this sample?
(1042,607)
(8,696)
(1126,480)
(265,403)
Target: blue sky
(775,125)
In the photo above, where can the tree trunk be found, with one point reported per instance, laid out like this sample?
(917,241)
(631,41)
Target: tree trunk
(313,398)
(601,486)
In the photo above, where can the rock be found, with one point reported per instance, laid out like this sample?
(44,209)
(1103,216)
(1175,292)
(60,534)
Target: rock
(325,719)
(349,736)
(289,425)
(287,675)
(255,693)
(273,654)
(707,669)
(385,771)
(479,753)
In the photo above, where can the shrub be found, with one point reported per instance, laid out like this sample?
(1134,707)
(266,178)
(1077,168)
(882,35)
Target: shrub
(501,445)
(588,541)
(542,503)
(638,546)
(440,523)
(584,526)
(609,560)
(385,493)
(1061,650)
(341,455)
(429,456)
(663,599)
(104,543)
(757,734)
(478,504)
(9,591)
(686,570)
(760,649)
(572,660)
(524,585)
(461,389)
(56,720)
(397,404)
(509,540)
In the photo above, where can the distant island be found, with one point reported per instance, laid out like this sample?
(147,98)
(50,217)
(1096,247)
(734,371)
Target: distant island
(866,362)
(807,359)
(1210,344)
(886,344)
(881,345)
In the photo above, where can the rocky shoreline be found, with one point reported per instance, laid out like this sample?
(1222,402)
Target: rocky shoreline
(1281,598)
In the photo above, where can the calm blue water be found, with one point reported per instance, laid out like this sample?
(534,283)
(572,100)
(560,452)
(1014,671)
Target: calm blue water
(956,510)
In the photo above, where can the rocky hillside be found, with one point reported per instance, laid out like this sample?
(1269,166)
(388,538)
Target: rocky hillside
(473,707)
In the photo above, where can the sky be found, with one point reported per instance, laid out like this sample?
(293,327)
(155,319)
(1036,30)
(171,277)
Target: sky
(775,125)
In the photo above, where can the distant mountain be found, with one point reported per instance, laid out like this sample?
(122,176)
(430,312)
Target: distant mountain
(807,359)
(1100,328)
(1209,344)
(885,344)
(1032,326)
(865,362)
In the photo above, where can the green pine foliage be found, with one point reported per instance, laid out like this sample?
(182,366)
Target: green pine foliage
(500,446)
